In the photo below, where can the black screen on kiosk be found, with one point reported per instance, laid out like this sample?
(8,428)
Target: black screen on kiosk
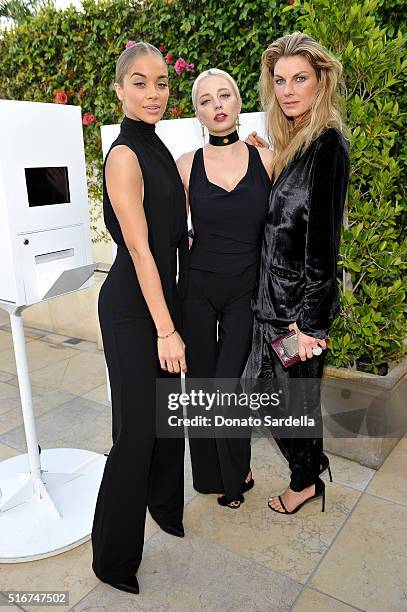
(47,186)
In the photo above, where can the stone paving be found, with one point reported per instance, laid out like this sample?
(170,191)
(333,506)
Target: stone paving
(352,557)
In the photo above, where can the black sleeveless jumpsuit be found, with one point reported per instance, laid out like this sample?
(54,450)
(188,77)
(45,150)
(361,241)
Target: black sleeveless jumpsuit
(218,319)
(141,469)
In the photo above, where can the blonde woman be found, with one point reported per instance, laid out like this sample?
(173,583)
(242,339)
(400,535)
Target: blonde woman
(228,186)
(297,287)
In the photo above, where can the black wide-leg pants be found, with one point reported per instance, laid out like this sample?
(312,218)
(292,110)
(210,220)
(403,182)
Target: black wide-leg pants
(141,470)
(219,465)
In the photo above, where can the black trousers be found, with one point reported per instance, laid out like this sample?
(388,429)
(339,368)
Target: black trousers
(141,469)
(219,465)
(301,385)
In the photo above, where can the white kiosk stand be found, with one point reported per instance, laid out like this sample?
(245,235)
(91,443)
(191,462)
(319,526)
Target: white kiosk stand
(181,136)
(46,502)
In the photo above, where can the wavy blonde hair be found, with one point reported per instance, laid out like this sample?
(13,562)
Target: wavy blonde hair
(326,111)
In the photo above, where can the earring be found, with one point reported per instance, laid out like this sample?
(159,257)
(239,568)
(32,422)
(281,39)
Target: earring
(203,133)
(237,124)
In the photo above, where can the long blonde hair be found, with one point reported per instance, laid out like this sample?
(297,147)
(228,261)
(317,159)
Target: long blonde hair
(326,111)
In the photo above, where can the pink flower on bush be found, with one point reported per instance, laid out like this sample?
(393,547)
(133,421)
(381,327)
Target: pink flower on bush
(181,65)
(130,43)
(88,118)
(169,58)
(161,48)
(60,97)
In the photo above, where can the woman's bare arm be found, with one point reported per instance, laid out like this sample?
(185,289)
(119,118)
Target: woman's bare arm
(266,157)
(124,183)
(184,165)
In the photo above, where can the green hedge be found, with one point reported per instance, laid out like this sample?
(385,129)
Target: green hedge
(373,248)
(69,50)
(74,53)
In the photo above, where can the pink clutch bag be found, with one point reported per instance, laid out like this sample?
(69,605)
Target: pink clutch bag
(286,348)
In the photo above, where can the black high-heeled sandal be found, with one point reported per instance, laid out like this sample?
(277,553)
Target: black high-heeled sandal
(247,485)
(319,492)
(225,501)
(325,466)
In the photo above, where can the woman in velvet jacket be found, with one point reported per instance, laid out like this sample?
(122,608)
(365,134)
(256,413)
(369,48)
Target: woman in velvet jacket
(297,286)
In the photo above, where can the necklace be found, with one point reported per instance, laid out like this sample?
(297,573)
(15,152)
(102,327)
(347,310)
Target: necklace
(222,141)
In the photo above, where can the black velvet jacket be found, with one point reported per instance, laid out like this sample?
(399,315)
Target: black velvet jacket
(297,276)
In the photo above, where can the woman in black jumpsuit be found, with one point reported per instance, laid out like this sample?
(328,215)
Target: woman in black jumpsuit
(141,470)
(218,321)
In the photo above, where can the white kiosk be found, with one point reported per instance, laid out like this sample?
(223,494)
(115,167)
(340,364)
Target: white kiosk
(45,251)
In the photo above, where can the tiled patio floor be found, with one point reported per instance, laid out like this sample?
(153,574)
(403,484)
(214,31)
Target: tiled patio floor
(352,557)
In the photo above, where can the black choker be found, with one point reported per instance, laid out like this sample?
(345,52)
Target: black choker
(222,141)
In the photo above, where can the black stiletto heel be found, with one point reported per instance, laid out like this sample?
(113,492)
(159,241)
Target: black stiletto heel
(325,466)
(174,530)
(319,492)
(129,586)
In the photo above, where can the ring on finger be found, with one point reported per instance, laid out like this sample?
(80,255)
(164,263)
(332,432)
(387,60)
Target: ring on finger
(316,350)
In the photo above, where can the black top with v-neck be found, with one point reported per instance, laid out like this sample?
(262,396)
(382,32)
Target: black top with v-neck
(228,225)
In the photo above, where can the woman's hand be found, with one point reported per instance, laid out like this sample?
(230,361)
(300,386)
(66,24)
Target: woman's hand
(306,343)
(171,353)
(257,141)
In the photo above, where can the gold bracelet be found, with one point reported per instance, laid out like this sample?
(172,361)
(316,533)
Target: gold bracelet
(167,336)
